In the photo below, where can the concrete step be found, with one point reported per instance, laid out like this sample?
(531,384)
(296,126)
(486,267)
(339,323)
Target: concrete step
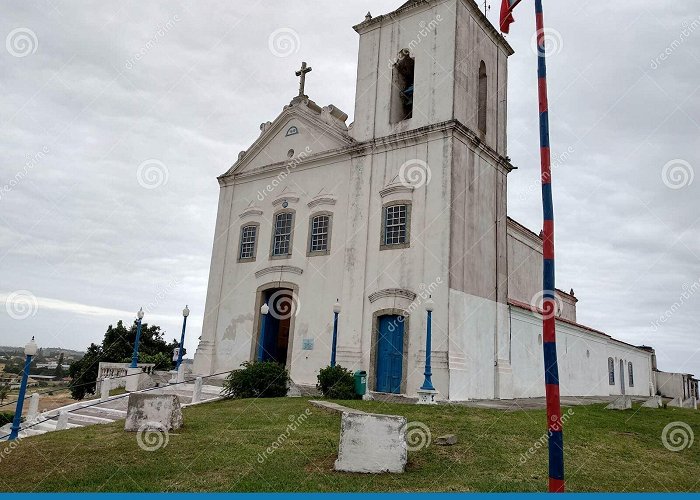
(82,417)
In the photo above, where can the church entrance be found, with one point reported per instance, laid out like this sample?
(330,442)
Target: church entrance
(273,340)
(390,344)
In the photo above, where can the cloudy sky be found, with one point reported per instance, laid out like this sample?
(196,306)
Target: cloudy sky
(116,119)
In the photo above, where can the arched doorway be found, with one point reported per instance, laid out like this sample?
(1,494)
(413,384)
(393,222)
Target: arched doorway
(622,377)
(274,330)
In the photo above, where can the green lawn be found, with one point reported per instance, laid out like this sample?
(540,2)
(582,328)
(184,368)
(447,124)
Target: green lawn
(218,450)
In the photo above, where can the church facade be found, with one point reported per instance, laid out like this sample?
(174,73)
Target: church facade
(406,204)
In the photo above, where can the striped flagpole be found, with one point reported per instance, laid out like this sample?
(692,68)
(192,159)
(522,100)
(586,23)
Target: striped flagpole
(551,370)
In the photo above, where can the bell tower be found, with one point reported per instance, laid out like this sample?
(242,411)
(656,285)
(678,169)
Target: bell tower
(428,62)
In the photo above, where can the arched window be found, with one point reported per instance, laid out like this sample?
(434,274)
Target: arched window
(483,96)
(611,371)
(319,234)
(631,374)
(402,87)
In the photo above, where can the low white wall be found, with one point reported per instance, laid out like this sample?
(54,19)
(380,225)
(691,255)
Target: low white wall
(583,360)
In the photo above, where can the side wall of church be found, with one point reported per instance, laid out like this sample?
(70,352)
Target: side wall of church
(525,271)
(583,360)
(478,279)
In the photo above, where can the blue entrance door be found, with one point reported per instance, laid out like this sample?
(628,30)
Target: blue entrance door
(390,354)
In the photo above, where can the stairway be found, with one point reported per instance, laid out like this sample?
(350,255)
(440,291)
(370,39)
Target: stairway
(95,412)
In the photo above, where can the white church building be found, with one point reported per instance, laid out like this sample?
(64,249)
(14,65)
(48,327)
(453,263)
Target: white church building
(407,202)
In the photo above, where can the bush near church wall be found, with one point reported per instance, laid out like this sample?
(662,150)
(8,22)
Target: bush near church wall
(257,379)
(336,382)
(6,417)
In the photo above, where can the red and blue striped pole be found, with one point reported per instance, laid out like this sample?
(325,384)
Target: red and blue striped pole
(551,369)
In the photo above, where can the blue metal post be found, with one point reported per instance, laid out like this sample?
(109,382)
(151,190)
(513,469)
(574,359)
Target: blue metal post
(182,339)
(261,343)
(428,383)
(135,357)
(14,433)
(335,337)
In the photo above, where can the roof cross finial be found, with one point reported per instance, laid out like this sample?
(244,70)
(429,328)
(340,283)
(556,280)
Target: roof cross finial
(302,77)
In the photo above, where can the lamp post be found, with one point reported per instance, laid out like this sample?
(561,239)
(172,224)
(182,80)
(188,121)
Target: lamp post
(264,310)
(185,313)
(336,311)
(426,394)
(29,351)
(135,357)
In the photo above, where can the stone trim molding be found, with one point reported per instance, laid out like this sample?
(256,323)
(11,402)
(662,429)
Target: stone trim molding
(250,212)
(392,292)
(289,198)
(278,269)
(322,200)
(396,188)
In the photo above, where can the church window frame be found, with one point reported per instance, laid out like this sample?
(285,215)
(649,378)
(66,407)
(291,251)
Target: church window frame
(630,373)
(611,371)
(248,242)
(282,241)
(482,99)
(320,232)
(396,225)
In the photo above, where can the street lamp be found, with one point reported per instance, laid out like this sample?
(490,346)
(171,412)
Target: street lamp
(427,392)
(135,357)
(264,310)
(29,351)
(336,311)
(185,313)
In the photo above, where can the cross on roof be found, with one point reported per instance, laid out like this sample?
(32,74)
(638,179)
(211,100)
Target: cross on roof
(302,77)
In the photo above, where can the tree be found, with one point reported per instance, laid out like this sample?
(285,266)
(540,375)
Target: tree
(4,391)
(117,347)
(59,373)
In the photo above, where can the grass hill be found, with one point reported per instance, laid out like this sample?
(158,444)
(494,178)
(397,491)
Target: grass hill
(222,448)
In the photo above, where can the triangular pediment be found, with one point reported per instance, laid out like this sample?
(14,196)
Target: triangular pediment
(302,130)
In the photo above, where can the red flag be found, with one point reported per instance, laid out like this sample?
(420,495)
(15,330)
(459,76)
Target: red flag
(507,7)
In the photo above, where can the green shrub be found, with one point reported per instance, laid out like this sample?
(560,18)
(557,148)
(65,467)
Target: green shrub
(257,380)
(336,382)
(6,417)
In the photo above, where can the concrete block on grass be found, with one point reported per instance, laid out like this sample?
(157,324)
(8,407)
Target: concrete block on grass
(153,411)
(372,443)
(621,403)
